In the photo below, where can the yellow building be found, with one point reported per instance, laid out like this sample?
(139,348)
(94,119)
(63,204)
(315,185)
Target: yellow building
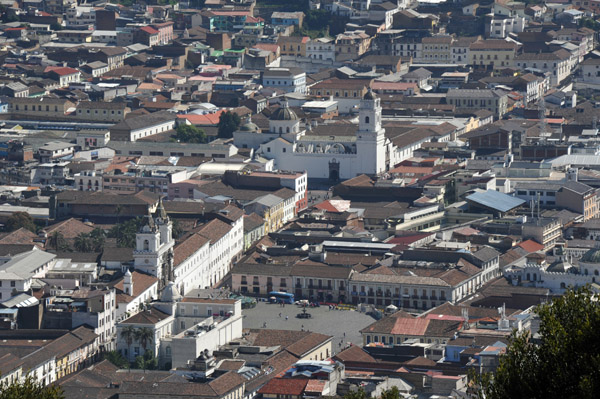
(293,45)
(496,53)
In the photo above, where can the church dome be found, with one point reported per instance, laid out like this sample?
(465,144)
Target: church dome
(591,256)
(249,127)
(170,293)
(284,114)
(370,95)
(562,266)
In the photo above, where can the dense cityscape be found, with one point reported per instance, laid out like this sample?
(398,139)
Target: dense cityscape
(248,199)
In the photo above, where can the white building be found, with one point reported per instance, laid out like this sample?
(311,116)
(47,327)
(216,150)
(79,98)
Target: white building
(132,292)
(321,49)
(343,157)
(558,63)
(590,70)
(292,80)
(182,328)
(17,272)
(499,27)
(560,275)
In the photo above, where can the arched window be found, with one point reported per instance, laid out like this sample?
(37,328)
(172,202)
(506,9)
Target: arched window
(287,129)
(563,285)
(146,245)
(595,272)
(280,130)
(168,351)
(367,119)
(534,277)
(528,277)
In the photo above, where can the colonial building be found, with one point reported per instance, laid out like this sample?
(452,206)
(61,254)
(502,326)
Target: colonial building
(331,157)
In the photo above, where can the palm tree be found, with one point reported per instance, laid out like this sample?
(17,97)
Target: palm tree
(128,333)
(144,336)
(83,242)
(56,241)
(98,238)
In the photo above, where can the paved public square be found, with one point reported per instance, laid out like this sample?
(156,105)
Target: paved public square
(324,321)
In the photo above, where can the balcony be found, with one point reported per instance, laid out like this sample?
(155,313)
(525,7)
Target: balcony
(298,285)
(371,293)
(388,294)
(283,285)
(415,297)
(244,282)
(424,297)
(255,282)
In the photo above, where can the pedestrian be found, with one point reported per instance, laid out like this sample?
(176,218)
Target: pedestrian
(279,315)
(265,324)
(344,334)
(286,317)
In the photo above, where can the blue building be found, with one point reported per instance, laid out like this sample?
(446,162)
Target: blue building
(287,18)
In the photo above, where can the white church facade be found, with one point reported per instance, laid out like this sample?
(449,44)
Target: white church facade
(369,151)
(201,260)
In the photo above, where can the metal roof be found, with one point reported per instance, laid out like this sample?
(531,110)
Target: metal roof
(495,200)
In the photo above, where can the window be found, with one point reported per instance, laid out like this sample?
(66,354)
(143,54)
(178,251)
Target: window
(367,119)
(12,283)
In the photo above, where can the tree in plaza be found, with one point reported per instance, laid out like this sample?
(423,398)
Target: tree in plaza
(125,232)
(147,361)
(29,389)
(229,122)
(190,134)
(128,334)
(563,363)
(83,243)
(144,336)
(98,238)
(18,220)
(57,241)
(116,358)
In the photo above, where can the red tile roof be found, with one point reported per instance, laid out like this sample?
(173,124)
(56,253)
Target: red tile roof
(284,386)
(62,71)
(150,30)
(203,120)
(531,246)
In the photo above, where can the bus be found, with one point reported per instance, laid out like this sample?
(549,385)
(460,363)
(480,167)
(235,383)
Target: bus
(278,297)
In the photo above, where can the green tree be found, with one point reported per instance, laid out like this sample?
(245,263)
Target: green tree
(116,358)
(229,122)
(18,220)
(177,231)
(358,394)
(98,238)
(392,393)
(128,334)
(144,336)
(125,232)
(83,243)
(57,241)
(147,361)
(563,363)
(190,134)
(29,389)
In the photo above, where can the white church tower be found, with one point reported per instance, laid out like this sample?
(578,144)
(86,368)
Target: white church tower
(370,138)
(154,247)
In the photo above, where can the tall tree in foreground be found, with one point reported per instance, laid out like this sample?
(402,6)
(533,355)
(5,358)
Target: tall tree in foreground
(565,363)
(29,389)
